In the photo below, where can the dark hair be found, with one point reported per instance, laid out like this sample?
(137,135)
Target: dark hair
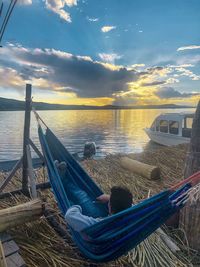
(120,199)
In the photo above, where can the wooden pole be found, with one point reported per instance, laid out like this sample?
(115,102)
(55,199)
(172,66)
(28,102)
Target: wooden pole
(190,215)
(31,173)
(26,139)
(17,215)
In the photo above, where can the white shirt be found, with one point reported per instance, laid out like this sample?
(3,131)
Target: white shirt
(77,221)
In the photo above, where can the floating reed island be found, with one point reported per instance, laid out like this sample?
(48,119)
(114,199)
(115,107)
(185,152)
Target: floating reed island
(41,246)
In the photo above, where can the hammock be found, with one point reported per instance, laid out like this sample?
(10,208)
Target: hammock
(116,234)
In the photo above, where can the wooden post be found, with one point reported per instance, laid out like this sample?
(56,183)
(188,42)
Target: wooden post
(26,139)
(190,215)
(31,173)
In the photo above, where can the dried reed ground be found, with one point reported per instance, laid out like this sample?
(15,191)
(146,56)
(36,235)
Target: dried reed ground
(41,246)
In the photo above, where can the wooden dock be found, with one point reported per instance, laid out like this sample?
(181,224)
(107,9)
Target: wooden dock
(9,252)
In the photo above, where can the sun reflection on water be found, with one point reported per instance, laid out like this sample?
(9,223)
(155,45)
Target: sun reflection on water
(113,130)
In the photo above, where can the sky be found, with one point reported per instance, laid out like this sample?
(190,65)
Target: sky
(102,52)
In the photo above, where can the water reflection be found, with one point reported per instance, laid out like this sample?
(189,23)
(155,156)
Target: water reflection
(113,130)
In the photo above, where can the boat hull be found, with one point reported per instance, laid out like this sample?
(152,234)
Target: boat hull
(165,138)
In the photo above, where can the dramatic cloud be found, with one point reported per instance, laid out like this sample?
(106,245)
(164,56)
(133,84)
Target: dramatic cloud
(170,92)
(57,69)
(189,47)
(80,77)
(58,7)
(109,57)
(108,28)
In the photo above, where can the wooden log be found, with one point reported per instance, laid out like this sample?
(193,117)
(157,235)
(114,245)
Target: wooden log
(190,215)
(20,214)
(145,170)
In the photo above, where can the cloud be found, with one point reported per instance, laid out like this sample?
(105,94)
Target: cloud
(153,83)
(81,77)
(109,57)
(71,3)
(108,28)
(10,78)
(170,92)
(189,47)
(58,7)
(93,19)
(185,72)
(25,2)
(137,65)
(57,69)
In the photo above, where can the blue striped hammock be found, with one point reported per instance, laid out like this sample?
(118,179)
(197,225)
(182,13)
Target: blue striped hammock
(116,234)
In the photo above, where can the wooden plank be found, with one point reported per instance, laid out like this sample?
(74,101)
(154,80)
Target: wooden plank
(5,237)
(8,165)
(41,186)
(15,260)
(2,256)
(10,248)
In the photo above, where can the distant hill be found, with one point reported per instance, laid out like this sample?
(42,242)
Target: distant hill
(13,105)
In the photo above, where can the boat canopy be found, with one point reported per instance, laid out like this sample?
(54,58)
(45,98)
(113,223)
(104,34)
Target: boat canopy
(174,123)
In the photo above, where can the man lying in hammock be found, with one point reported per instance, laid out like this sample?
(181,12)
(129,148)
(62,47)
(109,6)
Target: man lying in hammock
(119,199)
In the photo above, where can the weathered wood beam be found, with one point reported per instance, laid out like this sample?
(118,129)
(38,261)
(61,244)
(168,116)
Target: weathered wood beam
(37,151)
(12,173)
(40,186)
(31,173)
(17,215)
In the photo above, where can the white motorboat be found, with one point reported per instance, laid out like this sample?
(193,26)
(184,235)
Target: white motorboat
(171,129)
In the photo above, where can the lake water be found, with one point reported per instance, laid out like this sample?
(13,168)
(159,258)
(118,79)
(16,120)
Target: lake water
(112,130)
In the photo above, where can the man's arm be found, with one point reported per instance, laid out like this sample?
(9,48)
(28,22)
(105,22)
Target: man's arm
(77,220)
(103,198)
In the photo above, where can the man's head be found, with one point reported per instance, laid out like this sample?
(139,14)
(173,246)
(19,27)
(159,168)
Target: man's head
(120,199)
